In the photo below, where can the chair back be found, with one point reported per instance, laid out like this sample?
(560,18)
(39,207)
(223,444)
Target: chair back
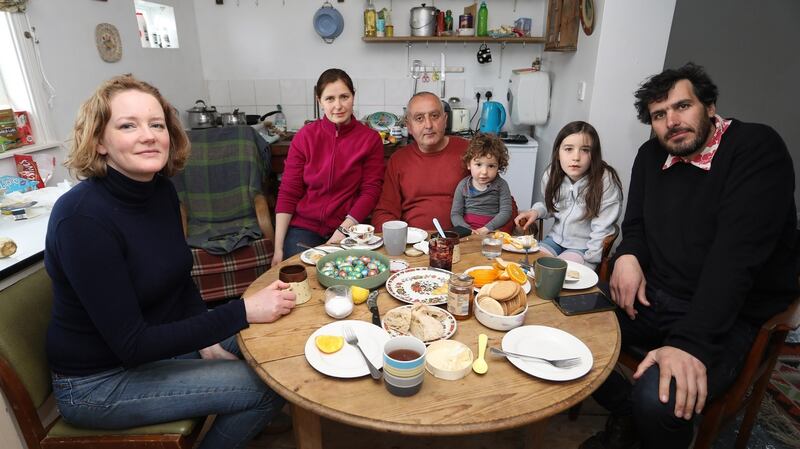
(226,170)
(24,373)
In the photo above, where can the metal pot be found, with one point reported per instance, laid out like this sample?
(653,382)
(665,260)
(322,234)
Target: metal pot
(202,116)
(423,21)
(234,118)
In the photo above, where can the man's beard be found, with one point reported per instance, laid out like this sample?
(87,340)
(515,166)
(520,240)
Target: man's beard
(686,148)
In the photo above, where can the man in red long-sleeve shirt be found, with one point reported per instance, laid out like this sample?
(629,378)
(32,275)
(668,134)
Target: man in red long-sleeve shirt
(421,177)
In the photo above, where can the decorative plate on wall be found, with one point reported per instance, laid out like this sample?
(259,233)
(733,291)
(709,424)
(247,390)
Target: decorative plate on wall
(587,16)
(108,42)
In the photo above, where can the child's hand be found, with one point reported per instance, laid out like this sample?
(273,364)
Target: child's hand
(526,219)
(482,231)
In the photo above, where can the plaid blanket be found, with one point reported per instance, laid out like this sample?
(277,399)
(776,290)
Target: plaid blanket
(226,169)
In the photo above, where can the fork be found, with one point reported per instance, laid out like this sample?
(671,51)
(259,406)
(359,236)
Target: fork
(352,339)
(558,363)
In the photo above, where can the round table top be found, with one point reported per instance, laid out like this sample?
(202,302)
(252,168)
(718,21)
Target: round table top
(505,397)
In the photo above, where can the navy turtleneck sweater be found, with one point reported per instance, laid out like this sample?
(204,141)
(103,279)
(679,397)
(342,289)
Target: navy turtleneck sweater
(119,263)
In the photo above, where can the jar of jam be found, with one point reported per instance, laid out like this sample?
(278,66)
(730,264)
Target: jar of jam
(459,296)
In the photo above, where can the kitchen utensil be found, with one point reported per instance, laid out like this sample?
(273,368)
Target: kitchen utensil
(416,70)
(479,365)
(372,305)
(328,22)
(439,228)
(234,118)
(493,117)
(352,339)
(202,116)
(318,248)
(423,21)
(558,363)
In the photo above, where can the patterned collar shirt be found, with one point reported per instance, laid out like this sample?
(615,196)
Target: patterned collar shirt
(703,159)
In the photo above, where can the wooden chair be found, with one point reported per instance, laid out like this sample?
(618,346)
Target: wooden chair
(748,389)
(221,188)
(25,380)
(602,269)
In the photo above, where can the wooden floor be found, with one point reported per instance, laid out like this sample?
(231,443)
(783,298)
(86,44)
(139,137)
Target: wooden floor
(561,434)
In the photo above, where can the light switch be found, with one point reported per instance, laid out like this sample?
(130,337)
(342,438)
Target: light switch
(581,90)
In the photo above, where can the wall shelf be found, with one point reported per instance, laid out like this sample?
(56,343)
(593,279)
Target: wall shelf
(434,39)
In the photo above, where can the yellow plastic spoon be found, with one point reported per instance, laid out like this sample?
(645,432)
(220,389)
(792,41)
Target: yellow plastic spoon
(479,365)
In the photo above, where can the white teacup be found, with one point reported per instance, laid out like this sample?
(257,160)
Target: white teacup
(362,233)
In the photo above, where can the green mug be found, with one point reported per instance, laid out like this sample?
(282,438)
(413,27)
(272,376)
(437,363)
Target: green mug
(549,273)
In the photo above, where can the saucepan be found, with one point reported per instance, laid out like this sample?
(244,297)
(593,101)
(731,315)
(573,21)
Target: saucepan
(234,118)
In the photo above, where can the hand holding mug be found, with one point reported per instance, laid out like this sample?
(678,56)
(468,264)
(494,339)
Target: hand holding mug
(269,303)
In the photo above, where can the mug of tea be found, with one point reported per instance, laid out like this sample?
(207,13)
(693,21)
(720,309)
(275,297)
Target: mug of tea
(297,278)
(361,233)
(404,365)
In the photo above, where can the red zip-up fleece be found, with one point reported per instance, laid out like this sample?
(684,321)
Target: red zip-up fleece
(331,171)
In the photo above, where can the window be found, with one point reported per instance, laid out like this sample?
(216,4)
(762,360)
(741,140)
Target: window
(23,85)
(156,24)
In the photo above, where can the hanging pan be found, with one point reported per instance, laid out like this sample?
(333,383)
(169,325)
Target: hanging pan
(328,22)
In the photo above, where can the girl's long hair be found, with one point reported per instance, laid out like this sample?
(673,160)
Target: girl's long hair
(593,192)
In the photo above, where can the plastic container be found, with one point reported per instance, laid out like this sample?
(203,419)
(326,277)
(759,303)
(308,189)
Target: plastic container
(483,20)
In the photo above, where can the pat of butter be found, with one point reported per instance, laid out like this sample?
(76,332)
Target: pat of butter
(449,355)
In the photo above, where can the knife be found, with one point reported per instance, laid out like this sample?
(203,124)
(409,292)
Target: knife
(372,305)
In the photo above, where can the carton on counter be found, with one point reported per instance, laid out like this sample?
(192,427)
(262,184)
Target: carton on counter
(9,138)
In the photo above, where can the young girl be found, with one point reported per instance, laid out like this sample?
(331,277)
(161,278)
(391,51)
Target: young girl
(482,201)
(581,192)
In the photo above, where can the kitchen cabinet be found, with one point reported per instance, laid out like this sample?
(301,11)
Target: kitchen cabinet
(561,33)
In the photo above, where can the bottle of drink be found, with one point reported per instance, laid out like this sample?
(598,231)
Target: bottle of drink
(280,120)
(483,20)
(370,20)
(448,21)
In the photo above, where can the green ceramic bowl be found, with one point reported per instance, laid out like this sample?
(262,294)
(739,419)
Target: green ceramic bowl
(369,283)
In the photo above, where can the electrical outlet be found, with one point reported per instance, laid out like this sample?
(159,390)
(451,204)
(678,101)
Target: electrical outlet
(482,90)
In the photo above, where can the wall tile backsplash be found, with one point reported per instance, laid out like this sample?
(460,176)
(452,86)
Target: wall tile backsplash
(296,96)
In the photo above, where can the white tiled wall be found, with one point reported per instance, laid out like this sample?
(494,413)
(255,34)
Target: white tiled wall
(296,96)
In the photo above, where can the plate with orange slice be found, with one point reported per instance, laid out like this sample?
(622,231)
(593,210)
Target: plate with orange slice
(333,357)
(520,277)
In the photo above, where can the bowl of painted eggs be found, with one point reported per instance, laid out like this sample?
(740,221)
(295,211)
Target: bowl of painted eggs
(366,269)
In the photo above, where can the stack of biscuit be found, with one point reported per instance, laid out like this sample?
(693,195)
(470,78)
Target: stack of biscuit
(504,298)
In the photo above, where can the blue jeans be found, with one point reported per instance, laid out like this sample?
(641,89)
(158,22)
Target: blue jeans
(173,389)
(295,235)
(656,423)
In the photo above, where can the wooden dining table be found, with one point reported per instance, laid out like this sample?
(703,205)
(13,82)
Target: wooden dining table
(503,398)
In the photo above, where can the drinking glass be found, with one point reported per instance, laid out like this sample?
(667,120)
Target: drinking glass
(441,253)
(491,247)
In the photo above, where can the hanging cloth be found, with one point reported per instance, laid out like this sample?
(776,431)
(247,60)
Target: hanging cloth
(13,5)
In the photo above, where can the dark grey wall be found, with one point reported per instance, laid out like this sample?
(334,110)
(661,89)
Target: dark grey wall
(751,49)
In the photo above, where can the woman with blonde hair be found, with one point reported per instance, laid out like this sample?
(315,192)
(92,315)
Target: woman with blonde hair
(130,342)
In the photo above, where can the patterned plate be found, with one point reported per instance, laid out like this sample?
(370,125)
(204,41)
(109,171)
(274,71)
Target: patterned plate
(422,284)
(448,324)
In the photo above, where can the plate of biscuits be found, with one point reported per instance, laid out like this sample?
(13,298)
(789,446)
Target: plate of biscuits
(427,323)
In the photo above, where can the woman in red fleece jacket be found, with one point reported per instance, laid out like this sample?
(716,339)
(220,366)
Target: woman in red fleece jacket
(333,174)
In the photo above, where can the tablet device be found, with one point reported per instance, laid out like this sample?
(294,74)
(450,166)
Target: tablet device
(584,303)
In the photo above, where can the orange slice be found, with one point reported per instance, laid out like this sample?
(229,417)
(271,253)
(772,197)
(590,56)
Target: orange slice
(329,343)
(516,274)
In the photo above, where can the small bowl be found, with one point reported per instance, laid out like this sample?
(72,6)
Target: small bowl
(499,322)
(403,391)
(369,283)
(403,382)
(439,352)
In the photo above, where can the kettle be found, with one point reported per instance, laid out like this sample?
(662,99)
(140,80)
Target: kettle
(493,117)
(202,116)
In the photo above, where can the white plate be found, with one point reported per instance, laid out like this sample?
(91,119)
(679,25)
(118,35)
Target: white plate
(419,285)
(551,343)
(526,286)
(415,235)
(513,249)
(347,362)
(449,325)
(373,243)
(311,256)
(588,277)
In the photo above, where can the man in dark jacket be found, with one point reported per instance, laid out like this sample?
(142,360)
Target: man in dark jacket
(709,252)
